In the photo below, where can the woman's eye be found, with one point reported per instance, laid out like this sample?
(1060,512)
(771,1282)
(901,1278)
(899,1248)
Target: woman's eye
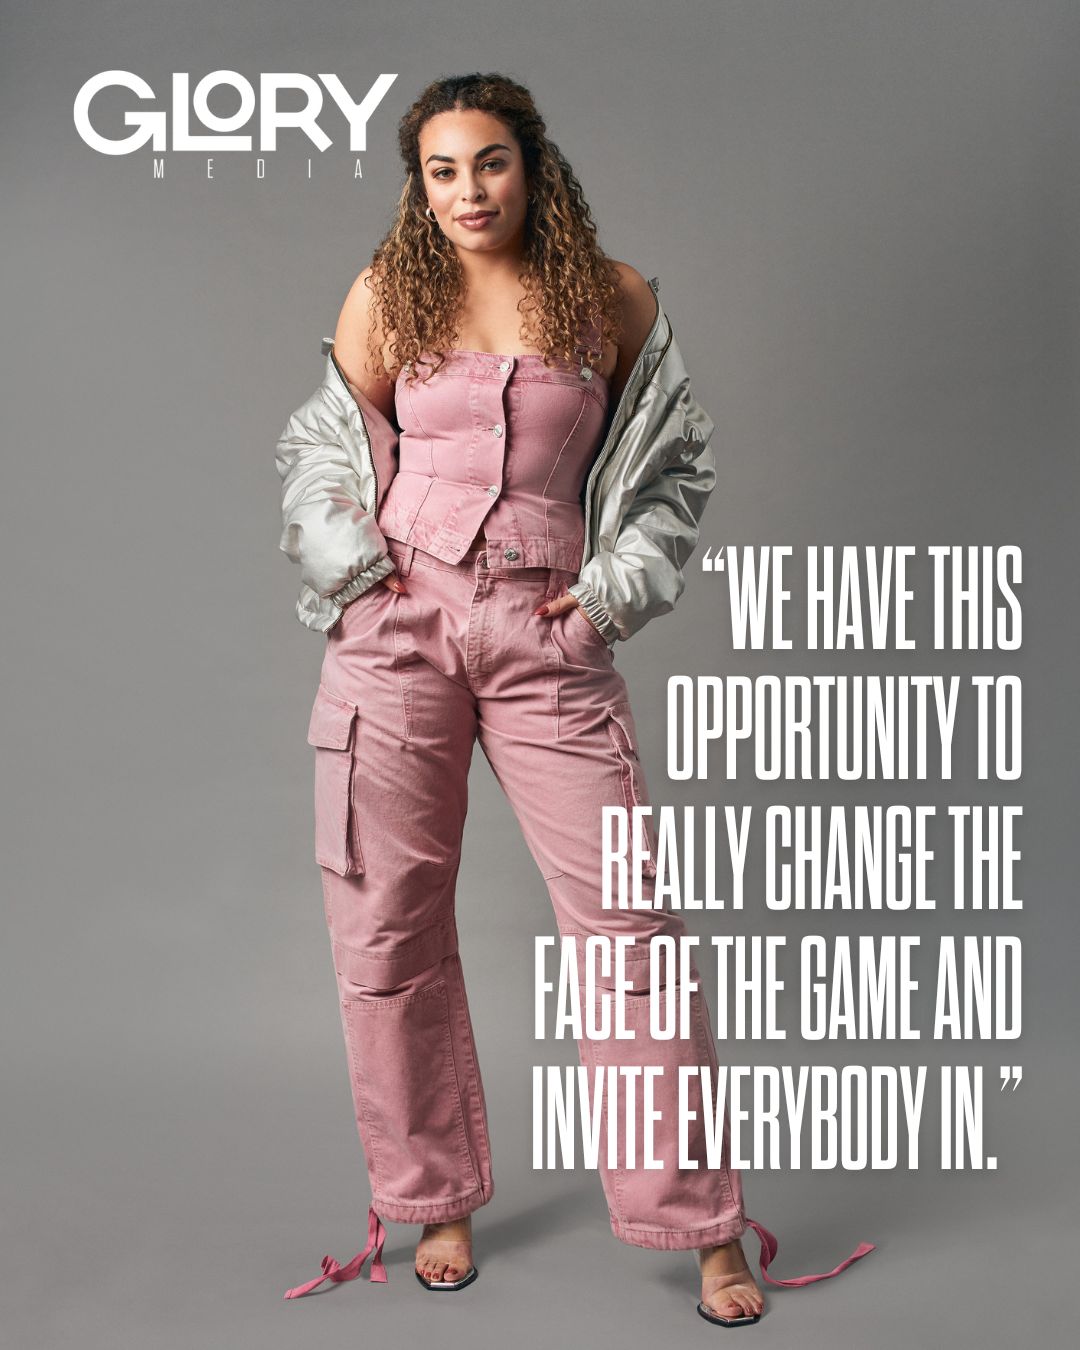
(488,163)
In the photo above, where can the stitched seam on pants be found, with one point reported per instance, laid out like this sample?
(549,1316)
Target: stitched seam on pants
(404,945)
(589,1058)
(479,1117)
(631,769)
(462,1129)
(473,1103)
(550,655)
(706,1054)
(361,1096)
(433,991)
(685,1228)
(372,1005)
(404,680)
(435,1204)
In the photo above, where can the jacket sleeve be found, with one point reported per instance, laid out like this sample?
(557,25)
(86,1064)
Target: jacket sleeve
(327,530)
(641,575)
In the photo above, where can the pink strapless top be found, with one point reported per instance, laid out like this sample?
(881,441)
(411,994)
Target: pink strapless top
(500,444)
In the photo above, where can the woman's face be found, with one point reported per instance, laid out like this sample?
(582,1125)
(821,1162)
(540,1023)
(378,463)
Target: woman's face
(474,177)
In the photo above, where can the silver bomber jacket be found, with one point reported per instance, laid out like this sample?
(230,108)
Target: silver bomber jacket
(643,497)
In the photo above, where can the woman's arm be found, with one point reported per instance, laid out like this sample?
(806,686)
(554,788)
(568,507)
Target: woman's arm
(322,463)
(358,346)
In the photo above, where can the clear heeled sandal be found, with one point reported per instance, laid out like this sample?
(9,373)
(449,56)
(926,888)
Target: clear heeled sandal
(769,1245)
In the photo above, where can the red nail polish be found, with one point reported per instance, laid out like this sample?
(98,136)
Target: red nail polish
(542,610)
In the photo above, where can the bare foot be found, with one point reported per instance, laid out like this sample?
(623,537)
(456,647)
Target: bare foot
(727,1286)
(444,1252)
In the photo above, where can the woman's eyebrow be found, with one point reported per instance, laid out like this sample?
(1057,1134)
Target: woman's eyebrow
(449,159)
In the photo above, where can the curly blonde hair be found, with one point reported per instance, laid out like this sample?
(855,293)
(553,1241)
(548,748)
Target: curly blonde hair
(571,286)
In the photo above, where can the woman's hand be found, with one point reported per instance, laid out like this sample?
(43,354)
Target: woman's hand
(562,603)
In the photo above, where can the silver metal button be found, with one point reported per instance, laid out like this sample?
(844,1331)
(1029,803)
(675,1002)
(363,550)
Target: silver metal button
(493,490)
(586,372)
(504,365)
(483,560)
(510,553)
(496,430)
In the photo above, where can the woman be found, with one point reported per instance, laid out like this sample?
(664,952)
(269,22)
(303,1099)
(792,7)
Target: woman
(501,475)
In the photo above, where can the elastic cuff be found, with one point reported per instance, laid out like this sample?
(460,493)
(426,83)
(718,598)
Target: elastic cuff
(363,581)
(589,602)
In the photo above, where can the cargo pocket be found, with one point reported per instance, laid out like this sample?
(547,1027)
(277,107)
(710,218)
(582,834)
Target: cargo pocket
(623,735)
(331,731)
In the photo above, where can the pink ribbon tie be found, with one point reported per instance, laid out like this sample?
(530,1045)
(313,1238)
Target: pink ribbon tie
(769,1248)
(332,1271)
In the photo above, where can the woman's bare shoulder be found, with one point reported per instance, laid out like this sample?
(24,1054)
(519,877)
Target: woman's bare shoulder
(638,308)
(359,349)
(638,302)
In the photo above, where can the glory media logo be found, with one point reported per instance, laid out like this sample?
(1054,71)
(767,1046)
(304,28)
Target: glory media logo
(171,129)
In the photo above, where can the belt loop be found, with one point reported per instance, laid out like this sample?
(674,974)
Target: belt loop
(406,562)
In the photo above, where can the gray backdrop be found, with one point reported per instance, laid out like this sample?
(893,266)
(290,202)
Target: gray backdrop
(863,216)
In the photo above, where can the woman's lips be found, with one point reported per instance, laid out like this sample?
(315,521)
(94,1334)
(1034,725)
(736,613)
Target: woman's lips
(476,222)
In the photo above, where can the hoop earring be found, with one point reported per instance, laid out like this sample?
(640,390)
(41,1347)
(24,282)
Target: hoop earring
(429,213)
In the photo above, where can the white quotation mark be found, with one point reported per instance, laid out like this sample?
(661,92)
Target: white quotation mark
(1009,1073)
(712,562)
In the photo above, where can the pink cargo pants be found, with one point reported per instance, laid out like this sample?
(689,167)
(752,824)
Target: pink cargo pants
(408,683)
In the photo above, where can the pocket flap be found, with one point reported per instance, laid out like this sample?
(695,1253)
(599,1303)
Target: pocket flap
(331,721)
